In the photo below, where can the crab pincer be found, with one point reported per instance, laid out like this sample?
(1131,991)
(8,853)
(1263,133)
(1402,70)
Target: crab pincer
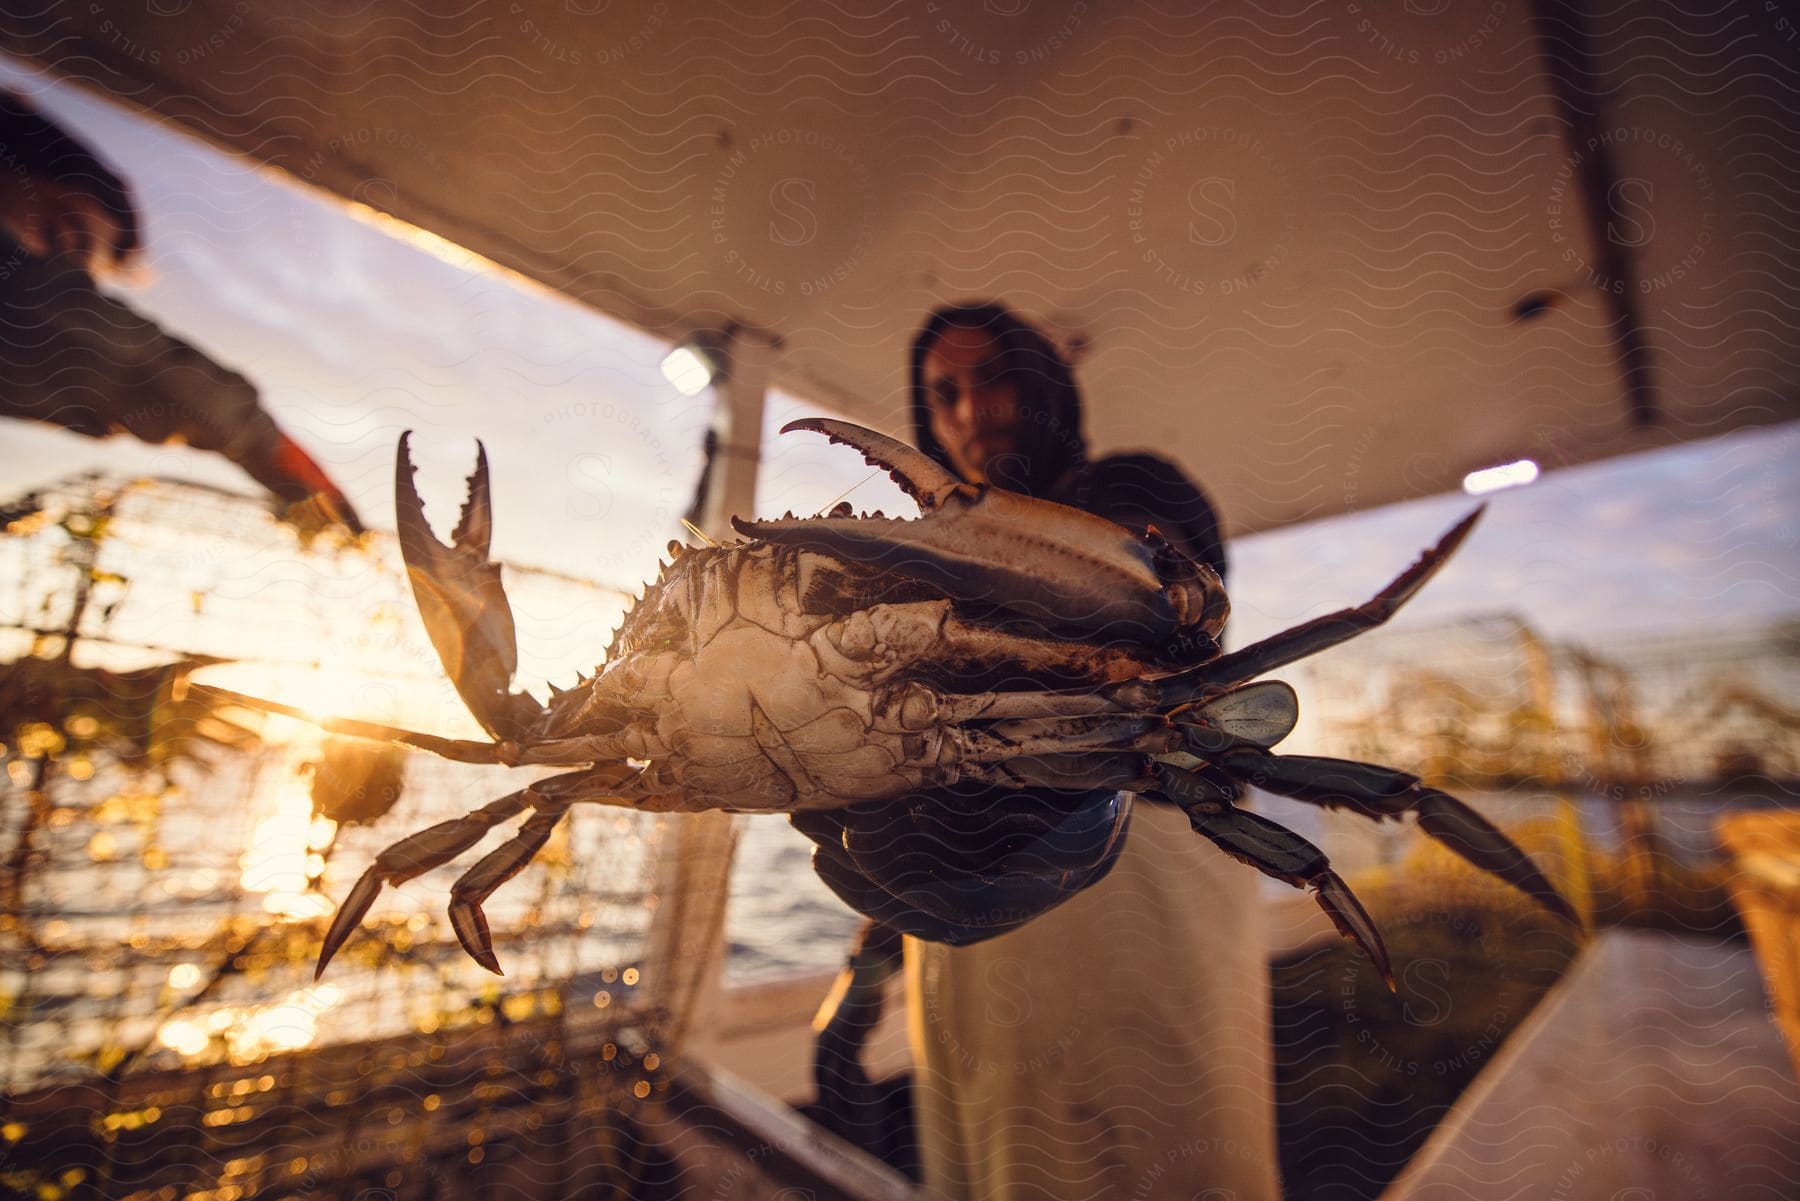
(461,598)
(1209,798)
(1063,568)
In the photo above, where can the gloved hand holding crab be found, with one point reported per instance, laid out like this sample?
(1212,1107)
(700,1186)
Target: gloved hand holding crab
(843,661)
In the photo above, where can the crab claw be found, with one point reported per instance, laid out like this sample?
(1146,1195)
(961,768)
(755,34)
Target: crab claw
(1353,922)
(1033,559)
(919,476)
(1482,843)
(461,599)
(349,916)
(471,926)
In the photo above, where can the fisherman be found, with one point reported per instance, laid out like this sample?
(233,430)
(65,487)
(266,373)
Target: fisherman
(1118,1044)
(73,356)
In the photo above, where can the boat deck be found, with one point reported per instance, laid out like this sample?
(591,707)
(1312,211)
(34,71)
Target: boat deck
(1652,1070)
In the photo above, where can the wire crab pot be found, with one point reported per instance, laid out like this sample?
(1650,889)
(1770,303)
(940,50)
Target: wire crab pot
(167,868)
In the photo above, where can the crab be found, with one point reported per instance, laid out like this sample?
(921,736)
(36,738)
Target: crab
(995,641)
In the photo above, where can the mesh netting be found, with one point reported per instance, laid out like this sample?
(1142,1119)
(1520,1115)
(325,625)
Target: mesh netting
(170,867)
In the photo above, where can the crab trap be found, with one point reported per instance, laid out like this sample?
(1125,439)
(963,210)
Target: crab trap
(170,866)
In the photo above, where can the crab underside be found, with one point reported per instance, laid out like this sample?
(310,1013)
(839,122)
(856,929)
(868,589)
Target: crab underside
(995,641)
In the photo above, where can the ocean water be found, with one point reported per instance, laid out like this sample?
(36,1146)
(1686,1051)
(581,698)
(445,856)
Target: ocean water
(780,920)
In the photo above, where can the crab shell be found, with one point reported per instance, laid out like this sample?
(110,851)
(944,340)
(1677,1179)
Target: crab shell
(826,662)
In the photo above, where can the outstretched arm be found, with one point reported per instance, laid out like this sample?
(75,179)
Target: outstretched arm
(73,356)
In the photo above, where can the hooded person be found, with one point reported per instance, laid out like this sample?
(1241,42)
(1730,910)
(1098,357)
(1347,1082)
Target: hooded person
(73,356)
(983,376)
(1105,1038)
(1116,1045)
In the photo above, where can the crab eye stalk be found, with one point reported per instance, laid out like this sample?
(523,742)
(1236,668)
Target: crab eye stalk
(1195,591)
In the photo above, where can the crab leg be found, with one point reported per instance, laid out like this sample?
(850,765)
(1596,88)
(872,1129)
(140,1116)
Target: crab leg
(1130,697)
(1316,635)
(495,869)
(1059,735)
(1258,715)
(1379,792)
(1085,746)
(1262,714)
(965,646)
(413,856)
(555,752)
(461,599)
(461,750)
(438,845)
(1274,850)
(1076,772)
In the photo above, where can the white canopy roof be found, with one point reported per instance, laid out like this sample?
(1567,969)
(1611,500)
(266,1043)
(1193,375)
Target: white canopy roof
(1285,248)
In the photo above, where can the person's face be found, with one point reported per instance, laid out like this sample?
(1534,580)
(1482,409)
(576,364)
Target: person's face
(974,416)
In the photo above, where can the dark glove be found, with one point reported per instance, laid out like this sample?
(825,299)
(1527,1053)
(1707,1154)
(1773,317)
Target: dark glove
(960,865)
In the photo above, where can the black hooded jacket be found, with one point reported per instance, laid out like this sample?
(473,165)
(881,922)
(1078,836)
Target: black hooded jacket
(1135,490)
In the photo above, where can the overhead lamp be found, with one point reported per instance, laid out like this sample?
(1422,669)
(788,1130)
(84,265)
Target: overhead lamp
(1506,475)
(700,360)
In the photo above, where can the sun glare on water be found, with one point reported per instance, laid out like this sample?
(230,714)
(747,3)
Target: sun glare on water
(284,856)
(254,1032)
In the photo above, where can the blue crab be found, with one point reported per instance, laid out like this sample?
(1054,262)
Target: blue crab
(838,661)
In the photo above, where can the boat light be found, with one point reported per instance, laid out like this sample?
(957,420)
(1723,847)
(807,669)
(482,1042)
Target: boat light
(1507,475)
(701,359)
